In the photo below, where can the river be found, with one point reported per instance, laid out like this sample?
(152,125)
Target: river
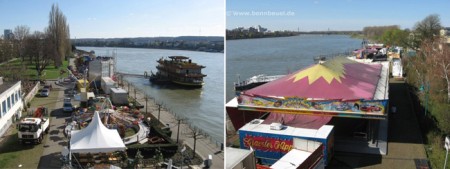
(279,56)
(204,108)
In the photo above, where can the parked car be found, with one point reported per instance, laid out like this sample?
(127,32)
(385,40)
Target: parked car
(68,107)
(45,93)
(343,107)
(49,87)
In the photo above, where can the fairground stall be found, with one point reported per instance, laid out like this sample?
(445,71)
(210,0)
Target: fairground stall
(346,94)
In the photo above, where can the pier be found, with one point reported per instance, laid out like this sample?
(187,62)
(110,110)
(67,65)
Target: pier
(133,75)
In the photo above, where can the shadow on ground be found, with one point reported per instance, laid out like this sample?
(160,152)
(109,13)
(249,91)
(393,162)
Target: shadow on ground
(353,160)
(50,161)
(59,113)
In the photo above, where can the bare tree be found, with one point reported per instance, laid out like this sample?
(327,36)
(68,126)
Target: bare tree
(193,132)
(21,32)
(39,48)
(59,33)
(437,56)
(429,27)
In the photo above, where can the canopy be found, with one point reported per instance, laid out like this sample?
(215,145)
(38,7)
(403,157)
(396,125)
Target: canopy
(338,87)
(299,121)
(339,78)
(96,138)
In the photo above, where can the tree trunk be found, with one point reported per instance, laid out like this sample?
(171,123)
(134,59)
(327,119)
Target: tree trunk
(195,142)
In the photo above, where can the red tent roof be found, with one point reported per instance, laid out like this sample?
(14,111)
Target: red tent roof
(339,78)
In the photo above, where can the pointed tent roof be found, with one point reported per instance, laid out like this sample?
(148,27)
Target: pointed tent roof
(96,138)
(339,78)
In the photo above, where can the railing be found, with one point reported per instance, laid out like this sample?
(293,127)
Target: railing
(259,79)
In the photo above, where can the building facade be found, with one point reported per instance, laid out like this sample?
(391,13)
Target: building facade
(7,34)
(11,104)
(101,67)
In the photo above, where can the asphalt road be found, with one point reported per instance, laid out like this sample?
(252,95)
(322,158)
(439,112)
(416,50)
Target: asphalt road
(405,144)
(55,140)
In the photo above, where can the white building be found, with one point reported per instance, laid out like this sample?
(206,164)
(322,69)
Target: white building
(11,104)
(101,67)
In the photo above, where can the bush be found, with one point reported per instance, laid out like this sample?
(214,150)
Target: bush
(435,149)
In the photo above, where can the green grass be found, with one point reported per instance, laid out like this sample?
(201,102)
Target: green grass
(12,153)
(50,71)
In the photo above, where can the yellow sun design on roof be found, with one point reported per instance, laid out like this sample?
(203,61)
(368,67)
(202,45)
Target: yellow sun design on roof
(332,69)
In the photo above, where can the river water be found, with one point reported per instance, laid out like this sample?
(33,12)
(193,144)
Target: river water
(279,56)
(204,108)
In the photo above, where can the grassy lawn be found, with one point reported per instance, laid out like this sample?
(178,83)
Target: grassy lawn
(12,153)
(50,71)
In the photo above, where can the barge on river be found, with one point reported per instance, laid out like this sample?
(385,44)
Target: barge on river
(179,70)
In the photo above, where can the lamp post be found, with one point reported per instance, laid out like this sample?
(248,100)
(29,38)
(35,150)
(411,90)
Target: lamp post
(159,110)
(146,100)
(178,132)
(447,147)
(425,88)
(182,156)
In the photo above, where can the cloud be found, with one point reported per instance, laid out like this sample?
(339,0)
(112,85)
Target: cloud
(91,19)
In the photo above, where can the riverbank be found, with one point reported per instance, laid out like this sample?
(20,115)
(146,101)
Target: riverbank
(204,145)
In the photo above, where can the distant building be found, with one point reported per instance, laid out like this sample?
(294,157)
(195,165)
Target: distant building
(445,34)
(100,67)
(7,34)
(11,104)
(261,29)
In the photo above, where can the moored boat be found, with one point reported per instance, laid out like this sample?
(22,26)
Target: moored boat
(179,70)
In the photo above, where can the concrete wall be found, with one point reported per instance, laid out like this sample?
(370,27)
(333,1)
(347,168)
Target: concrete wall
(32,93)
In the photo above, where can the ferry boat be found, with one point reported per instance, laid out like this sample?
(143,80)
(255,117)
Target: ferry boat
(179,70)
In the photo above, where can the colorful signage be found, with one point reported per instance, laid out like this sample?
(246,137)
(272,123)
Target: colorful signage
(294,105)
(267,144)
(271,147)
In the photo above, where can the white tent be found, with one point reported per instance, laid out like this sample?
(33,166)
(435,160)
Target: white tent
(95,138)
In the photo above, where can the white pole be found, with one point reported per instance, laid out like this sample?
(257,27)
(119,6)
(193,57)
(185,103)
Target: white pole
(445,164)
(447,147)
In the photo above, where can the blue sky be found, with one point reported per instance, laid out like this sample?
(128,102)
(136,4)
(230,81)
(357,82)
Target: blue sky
(120,18)
(318,15)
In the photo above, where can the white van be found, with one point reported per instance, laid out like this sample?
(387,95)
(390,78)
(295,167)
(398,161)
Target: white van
(397,68)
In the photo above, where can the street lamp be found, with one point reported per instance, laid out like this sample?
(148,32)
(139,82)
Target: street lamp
(182,156)
(447,147)
(425,88)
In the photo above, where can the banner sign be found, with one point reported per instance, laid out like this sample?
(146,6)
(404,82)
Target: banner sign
(267,144)
(271,147)
(295,105)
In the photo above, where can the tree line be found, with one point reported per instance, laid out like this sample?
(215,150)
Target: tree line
(428,76)
(39,48)
(236,34)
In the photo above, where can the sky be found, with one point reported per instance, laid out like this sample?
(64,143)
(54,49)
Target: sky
(321,15)
(120,18)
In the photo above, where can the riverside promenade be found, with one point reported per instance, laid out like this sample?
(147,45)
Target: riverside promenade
(204,147)
(405,144)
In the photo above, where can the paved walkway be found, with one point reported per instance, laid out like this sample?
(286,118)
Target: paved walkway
(55,140)
(204,147)
(405,147)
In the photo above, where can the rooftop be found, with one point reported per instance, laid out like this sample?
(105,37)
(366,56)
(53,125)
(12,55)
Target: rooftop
(6,85)
(235,156)
(257,126)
